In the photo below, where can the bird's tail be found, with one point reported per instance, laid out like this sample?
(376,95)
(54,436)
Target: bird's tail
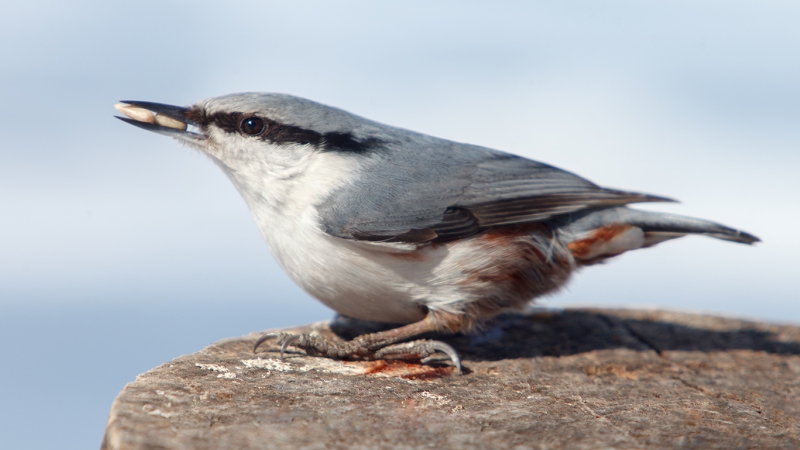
(593,236)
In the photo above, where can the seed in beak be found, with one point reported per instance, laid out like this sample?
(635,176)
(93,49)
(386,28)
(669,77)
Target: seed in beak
(169,122)
(136,113)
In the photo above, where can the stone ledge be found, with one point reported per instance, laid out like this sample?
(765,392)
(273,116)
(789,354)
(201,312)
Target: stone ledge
(577,378)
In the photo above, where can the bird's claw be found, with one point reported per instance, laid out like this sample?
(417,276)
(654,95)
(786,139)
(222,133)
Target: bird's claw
(424,349)
(316,345)
(283,339)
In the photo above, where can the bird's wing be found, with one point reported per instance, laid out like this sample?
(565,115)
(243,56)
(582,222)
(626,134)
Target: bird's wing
(455,191)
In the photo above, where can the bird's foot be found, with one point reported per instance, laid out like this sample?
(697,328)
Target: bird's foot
(423,349)
(363,348)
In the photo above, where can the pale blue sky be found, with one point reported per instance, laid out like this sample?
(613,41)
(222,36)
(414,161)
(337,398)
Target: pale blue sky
(121,249)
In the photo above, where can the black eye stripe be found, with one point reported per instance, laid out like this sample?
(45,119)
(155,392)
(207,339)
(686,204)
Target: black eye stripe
(279,133)
(252,126)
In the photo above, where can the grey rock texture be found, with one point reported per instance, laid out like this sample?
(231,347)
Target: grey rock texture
(545,380)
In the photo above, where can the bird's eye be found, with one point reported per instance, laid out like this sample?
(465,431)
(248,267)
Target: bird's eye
(252,126)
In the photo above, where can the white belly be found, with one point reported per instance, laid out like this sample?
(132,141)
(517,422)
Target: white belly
(386,283)
(353,280)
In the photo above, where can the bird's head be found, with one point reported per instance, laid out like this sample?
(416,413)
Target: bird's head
(278,134)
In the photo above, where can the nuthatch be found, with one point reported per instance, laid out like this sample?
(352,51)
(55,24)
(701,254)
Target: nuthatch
(385,224)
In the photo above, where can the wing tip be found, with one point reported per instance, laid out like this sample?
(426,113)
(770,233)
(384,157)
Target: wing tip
(658,198)
(636,197)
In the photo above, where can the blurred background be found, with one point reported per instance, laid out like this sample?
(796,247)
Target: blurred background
(120,250)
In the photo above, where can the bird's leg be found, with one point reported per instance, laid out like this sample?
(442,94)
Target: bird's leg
(376,345)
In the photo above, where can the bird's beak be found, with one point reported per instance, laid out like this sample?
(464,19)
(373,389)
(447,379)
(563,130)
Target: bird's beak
(169,120)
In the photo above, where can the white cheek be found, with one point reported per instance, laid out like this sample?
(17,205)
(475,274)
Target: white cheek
(282,186)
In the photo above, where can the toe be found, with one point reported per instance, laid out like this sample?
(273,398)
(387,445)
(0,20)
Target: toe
(424,349)
(263,339)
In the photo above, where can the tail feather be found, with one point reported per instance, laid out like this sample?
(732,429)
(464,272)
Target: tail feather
(594,236)
(656,223)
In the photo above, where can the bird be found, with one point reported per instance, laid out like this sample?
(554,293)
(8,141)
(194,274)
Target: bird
(384,224)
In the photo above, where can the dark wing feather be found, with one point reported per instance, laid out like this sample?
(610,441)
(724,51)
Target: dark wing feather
(436,198)
(513,190)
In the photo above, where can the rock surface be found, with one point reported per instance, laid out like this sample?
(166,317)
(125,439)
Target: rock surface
(569,379)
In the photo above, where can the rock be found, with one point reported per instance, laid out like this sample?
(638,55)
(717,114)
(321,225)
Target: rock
(577,378)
